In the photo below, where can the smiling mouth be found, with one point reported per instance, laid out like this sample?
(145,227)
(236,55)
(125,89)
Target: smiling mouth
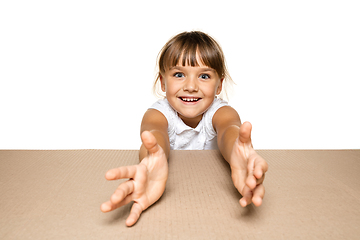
(189,99)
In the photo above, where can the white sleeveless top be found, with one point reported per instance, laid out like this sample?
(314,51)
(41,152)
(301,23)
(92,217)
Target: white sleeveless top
(183,137)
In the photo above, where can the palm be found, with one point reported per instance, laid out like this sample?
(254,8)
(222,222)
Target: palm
(150,180)
(247,168)
(239,164)
(146,182)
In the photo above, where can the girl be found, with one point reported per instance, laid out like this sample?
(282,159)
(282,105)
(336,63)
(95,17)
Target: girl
(192,73)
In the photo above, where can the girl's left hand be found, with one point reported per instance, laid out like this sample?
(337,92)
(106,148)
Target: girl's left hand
(247,168)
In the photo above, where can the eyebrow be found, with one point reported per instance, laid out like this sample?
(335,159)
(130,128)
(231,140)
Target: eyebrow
(202,69)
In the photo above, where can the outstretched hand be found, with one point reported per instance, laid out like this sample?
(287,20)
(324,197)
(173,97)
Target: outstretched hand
(146,182)
(247,168)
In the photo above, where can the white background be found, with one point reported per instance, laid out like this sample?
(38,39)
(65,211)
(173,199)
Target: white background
(78,74)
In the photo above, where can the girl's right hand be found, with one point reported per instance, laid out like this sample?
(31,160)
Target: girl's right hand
(146,182)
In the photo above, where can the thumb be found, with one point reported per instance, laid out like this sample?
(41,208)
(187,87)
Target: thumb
(245,132)
(149,142)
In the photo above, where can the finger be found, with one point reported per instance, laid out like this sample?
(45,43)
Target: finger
(259,194)
(109,206)
(122,191)
(251,182)
(260,180)
(149,142)
(247,197)
(245,132)
(257,167)
(121,172)
(250,179)
(261,168)
(106,206)
(135,213)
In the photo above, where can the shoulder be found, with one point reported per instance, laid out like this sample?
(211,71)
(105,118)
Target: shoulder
(154,119)
(164,107)
(225,116)
(218,103)
(215,106)
(156,116)
(161,102)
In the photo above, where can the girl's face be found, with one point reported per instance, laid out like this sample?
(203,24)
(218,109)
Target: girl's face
(191,90)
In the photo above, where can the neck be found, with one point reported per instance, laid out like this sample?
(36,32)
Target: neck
(191,122)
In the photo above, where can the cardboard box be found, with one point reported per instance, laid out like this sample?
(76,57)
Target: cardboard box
(57,195)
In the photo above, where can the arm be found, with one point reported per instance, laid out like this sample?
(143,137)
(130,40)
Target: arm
(247,167)
(156,123)
(226,122)
(147,180)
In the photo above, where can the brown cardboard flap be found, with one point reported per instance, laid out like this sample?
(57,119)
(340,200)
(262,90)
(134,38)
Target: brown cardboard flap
(57,195)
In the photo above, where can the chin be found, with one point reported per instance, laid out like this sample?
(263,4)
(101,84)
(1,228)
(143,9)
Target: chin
(190,116)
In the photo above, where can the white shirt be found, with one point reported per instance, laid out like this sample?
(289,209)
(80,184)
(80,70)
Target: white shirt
(183,137)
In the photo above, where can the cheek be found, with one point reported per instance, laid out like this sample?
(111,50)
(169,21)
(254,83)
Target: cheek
(172,88)
(210,89)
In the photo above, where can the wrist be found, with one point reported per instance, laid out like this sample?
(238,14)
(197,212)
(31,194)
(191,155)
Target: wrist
(227,141)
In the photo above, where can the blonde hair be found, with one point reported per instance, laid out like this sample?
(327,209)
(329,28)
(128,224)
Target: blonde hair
(184,49)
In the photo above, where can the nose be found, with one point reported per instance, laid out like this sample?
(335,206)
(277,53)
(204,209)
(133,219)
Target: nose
(191,85)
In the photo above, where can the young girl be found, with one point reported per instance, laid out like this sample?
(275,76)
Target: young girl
(192,72)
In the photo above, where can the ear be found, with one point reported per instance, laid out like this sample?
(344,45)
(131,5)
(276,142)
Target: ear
(218,90)
(162,83)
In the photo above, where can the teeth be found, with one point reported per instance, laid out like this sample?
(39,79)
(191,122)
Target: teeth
(189,99)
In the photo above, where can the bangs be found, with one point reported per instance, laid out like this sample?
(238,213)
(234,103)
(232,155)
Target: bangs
(188,57)
(188,51)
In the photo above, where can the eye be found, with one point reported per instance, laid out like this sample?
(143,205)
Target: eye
(204,76)
(178,75)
